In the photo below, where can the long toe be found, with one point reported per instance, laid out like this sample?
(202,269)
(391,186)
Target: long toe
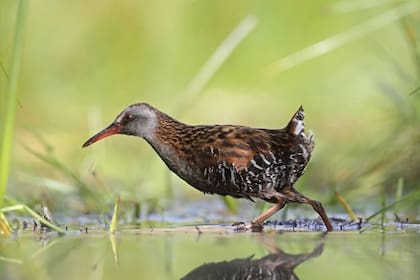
(257,227)
(240,226)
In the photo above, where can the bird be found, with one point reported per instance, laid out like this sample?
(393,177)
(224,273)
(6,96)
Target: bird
(276,265)
(228,160)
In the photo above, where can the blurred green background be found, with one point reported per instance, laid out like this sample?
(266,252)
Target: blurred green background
(85,61)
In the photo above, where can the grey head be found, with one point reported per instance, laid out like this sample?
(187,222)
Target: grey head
(138,119)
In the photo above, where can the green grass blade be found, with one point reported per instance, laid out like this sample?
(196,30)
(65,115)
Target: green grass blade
(113,228)
(346,6)
(346,206)
(383,204)
(414,91)
(94,198)
(398,194)
(114,247)
(114,221)
(5,229)
(10,260)
(3,69)
(220,55)
(356,32)
(12,90)
(230,204)
(414,196)
(22,207)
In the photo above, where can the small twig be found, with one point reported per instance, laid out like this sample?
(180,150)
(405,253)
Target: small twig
(4,70)
(414,91)
(198,230)
(359,223)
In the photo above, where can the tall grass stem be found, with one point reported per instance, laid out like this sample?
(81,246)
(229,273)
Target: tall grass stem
(12,90)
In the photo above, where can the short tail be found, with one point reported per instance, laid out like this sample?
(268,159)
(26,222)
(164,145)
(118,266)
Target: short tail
(296,125)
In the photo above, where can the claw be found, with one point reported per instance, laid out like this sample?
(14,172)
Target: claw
(257,227)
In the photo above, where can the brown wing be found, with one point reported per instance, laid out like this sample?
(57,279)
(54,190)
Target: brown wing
(232,145)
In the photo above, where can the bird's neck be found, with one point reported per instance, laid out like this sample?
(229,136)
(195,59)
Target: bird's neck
(167,140)
(168,131)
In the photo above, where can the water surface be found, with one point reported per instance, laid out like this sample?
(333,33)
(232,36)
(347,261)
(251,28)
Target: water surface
(212,252)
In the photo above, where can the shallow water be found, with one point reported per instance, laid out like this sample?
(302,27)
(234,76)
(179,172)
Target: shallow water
(212,252)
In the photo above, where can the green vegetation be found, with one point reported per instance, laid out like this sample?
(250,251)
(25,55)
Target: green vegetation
(11,97)
(114,220)
(68,67)
(6,138)
(355,68)
(21,207)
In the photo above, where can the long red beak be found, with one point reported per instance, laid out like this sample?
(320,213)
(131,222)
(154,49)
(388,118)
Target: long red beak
(110,130)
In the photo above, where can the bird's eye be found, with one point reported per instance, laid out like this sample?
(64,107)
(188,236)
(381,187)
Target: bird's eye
(128,118)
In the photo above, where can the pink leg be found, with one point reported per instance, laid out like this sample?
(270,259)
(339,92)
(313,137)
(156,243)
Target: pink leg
(317,206)
(257,223)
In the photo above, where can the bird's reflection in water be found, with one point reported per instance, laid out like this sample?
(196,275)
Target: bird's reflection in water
(276,265)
